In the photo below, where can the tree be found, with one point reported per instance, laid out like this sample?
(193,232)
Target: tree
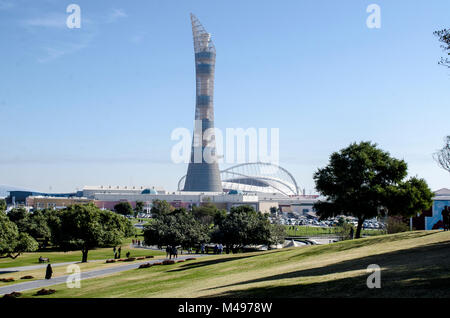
(177,228)
(444,37)
(277,234)
(442,157)
(84,227)
(12,242)
(410,197)
(139,207)
(2,205)
(18,216)
(344,229)
(124,208)
(207,214)
(35,224)
(161,207)
(38,227)
(244,226)
(364,181)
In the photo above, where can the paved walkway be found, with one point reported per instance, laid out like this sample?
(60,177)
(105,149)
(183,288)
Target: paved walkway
(7,270)
(84,275)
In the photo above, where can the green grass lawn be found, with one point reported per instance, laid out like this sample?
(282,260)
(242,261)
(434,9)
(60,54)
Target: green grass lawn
(304,230)
(136,220)
(73,256)
(60,271)
(414,264)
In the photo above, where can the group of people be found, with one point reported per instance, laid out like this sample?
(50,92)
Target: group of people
(446,218)
(137,242)
(171,251)
(218,249)
(117,253)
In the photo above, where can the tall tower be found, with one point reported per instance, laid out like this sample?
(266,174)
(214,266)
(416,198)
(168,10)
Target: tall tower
(203,171)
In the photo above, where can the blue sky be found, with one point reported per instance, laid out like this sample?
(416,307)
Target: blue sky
(97,105)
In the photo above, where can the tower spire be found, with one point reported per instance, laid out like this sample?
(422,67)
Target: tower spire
(203,171)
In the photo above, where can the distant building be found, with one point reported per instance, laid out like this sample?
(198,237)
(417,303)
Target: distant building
(19,197)
(106,197)
(432,218)
(47,202)
(256,177)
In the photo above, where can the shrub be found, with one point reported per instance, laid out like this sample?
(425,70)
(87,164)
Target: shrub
(146,265)
(191,259)
(139,258)
(6,280)
(130,259)
(12,295)
(149,256)
(396,225)
(44,291)
(158,263)
(27,277)
(110,261)
(180,261)
(168,262)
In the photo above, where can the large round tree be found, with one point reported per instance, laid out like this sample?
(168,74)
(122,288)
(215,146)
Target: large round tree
(176,228)
(85,227)
(364,181)
(12,242)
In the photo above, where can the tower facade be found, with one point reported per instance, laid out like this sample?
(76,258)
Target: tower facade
(203,170)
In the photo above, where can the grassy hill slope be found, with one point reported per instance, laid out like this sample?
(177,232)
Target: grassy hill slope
(414,264)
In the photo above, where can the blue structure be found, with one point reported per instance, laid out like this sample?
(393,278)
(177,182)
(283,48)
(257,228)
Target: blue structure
(440,201)
(20,197)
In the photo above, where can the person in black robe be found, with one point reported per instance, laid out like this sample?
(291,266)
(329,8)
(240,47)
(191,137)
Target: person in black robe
(48,272)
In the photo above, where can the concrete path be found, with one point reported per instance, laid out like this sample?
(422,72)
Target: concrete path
(84,275)
(7,270)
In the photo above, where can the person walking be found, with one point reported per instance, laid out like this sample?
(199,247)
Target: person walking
(351,233)
(119,250)
(448,217)
(48,272)
(174,252)
(202,248)
(445,218)
(168,251)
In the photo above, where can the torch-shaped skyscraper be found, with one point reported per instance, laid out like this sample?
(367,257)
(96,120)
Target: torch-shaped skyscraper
(203,170)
